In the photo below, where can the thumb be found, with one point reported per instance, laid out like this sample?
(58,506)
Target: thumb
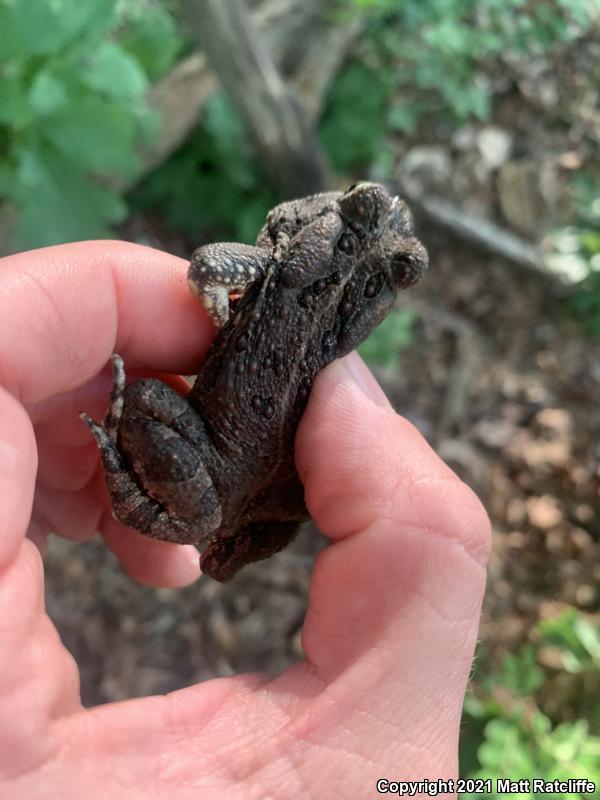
(395,601)
(38,679)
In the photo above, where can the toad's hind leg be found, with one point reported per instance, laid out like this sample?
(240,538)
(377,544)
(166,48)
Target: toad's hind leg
(153,446)
(222,558)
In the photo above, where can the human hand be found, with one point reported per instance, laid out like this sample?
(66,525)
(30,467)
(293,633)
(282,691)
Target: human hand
(394,602)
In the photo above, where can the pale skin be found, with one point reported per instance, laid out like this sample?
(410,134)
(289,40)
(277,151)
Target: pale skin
(394,601)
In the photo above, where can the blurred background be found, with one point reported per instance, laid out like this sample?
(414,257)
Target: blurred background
(176,123)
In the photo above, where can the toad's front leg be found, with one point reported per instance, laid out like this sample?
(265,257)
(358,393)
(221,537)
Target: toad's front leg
(154,450)
(223,269)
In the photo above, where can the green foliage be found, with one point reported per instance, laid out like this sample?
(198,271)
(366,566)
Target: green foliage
(426,58)
(387,341)
(584,301)
(212,183)
(73,77)
(354,123)
(508,732)
(148,33)
(575,639)
(531,748)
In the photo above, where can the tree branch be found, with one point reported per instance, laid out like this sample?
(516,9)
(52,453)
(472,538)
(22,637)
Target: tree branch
(286,144)
(178,98)
(480,232)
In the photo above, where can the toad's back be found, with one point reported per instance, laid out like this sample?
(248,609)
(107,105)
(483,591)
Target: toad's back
(219,464)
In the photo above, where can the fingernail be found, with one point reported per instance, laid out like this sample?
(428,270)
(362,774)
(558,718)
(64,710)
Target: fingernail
(189,561)
(365,380)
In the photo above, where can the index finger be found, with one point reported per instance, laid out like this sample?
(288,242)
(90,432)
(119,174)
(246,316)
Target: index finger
(65,309)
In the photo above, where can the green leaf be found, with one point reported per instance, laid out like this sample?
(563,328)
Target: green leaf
(503,752)
(95,134)
(57,204)
(115,73)
(14,109)
(7,179)
(388,340)
(472,99)
(577,638)
(222,123)
(148,123)
(354,122)
(404,117)
(43,27)
(199,187)
(252,216)
(150,36)
(27,28)
(589,636)
(47,93)
(520,672)
(590,242)
(448,37)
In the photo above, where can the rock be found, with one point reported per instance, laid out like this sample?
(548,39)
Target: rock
(494,145)
(556,420)
(544,512)
(426,167)
(465,137)
(520,197)
(533,195)
(494,433)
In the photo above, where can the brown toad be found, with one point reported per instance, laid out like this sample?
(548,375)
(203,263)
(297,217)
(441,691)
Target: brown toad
(218,465)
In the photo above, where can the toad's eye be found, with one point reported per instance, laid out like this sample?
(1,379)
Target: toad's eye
(361,205)
(364,209)
(405,270)
(347,243)
(374,285)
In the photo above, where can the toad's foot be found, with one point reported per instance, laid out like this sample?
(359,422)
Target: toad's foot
(152,444)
